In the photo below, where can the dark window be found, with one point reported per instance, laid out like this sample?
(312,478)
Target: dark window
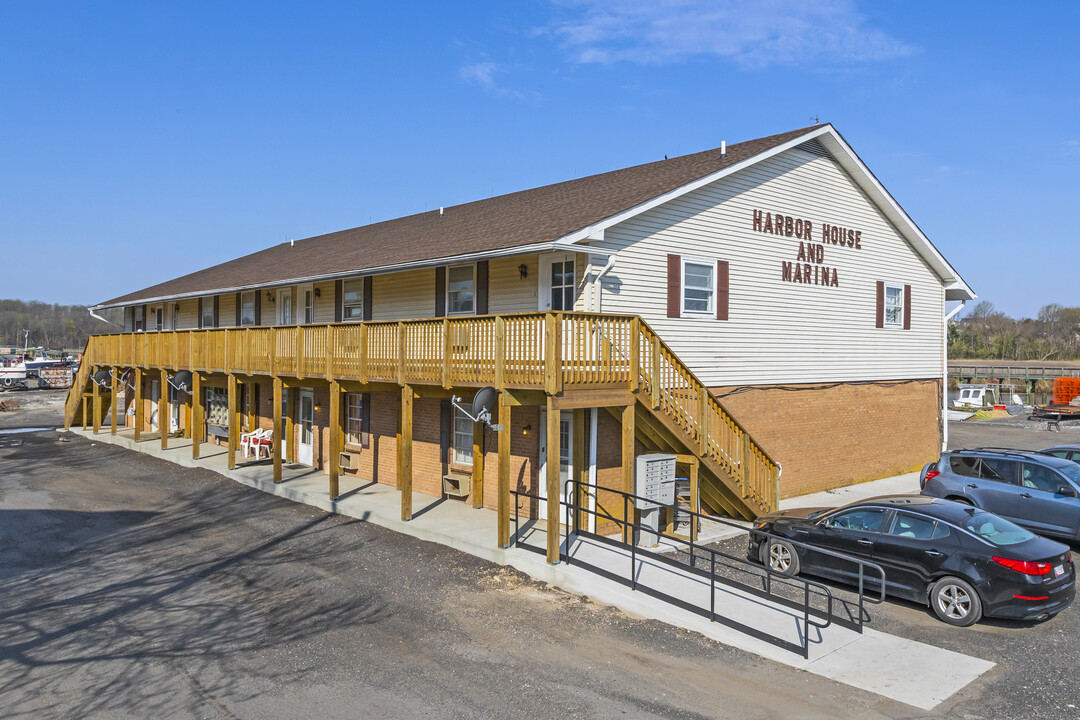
(1039,477)
(866,519)
(964,465)
(1064,454)
(911,526)
(997,469)
(941,531)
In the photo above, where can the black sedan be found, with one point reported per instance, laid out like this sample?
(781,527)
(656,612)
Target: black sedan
(962,561)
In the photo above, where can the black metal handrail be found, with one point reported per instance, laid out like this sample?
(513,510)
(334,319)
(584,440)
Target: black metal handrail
(572,508)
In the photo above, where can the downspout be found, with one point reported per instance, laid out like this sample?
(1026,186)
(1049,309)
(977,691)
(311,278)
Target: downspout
(945,375)
(98,317)
(596,289)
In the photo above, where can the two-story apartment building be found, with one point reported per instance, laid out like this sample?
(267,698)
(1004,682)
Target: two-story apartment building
(760,305)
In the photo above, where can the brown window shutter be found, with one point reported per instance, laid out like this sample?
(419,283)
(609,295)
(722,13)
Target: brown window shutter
(482,287)
(258,307)
(368,282)
(339,299)
(217,307)
(365,420)
(200,312)
(880,304)
(440,292)
(722,289)
(907,307)
(674,286)
(445,430)
(239,305)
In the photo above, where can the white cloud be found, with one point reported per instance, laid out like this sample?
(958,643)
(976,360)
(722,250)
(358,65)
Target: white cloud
(481,73)
(753,33)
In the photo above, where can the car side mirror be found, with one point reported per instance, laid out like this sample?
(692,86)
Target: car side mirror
(1067,491)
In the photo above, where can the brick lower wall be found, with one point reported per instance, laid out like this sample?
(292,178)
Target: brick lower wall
(842,435)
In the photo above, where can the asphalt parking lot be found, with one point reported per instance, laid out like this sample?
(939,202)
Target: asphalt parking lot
(130,587)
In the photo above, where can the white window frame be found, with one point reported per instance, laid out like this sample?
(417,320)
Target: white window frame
(472,269)
(302,309)
(207,306)
(358,307)
(461,441)
(711,311)
(546,290)
(138,319)
(254,299)
(158,313)
(354,419)
(899,322)
(283,299)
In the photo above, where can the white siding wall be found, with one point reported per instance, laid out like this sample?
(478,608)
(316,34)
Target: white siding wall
(780,332)
(188,317)
(324,304)
(403,296)
(507,292)
(227,310)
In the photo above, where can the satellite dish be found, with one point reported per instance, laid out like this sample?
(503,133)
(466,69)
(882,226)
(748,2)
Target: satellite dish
(483,402)
(103,378)
(181,380)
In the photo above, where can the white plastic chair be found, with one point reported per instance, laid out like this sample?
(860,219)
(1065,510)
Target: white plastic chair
(248,441)
(263,442)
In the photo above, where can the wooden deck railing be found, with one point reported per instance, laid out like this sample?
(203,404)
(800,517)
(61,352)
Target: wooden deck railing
(548,351)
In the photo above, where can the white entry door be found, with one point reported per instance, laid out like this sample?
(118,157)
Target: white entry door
(285,314)
(306,420)
(566,439)
(557,285)
(155,396)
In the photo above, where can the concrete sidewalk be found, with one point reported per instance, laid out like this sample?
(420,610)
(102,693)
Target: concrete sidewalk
(910,672)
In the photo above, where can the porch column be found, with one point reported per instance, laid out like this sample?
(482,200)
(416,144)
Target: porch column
(234,420)
(276,440)
(97,404)
(504,470)
(290,410)
(115,401)
(553,494)
(628,468)
(477,491)
(163,410)
(579,472)
(196,414)
(405,451)
(138,404)
(335,442)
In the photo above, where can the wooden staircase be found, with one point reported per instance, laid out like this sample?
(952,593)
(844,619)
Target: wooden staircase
(74,406)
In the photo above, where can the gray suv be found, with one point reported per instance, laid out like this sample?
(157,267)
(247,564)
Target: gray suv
(1039,491)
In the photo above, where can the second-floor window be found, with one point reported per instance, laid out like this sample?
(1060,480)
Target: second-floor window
(352,299)
(138,320)
(207,313)
(460,290)
(463,438)
(894,306)
(247,308)
(562,285)
(698,287)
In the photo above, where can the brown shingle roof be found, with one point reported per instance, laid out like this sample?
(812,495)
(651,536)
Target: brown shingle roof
(518,219)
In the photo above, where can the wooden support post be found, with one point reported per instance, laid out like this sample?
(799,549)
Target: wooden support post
(695,498)
(703,422)
(364,348)
(163,413)
(87,409)
(552,353)
(580,471)
(115,401)
(234,420)
(196,414)
(477,491)
(275,442)
(500,356)
(635,353)
(504,470)
(401,353)
(628,467)
(405,452)
(290,426)
(138,404)
(97,406)
(774,481)
(187,414)
(335,439)
(554,514)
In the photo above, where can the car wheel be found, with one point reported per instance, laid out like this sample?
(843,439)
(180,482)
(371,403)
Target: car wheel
(954,601)
(780,556)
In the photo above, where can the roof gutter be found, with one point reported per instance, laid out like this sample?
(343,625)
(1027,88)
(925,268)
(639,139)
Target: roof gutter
(366,272)
(98,317)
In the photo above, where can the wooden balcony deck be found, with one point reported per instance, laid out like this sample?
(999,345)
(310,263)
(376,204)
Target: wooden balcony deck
(559,354)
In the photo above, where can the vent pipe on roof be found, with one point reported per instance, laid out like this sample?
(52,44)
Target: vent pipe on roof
(723,148)
(292,242)
(440,211)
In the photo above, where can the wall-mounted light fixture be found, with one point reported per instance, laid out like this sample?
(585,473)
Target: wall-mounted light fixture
(525,430)
(318,407)
(269,296)
(176,307)
(523,270)
(318,292)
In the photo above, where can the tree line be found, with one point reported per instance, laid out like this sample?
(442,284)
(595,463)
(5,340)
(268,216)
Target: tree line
(986,333)
(55,327)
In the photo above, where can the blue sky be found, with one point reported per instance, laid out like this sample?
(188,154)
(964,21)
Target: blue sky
(154,139)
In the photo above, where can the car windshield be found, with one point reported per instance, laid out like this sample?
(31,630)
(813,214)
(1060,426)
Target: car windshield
(996,530)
